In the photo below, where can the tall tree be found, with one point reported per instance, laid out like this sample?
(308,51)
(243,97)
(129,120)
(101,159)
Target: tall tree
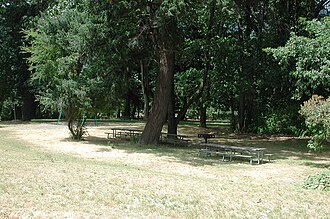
(16,15)
(70,62)
(164,30)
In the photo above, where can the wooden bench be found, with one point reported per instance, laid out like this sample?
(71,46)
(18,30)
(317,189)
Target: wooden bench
(231,152)
(211,152)
(225,154)
(174,139)
(231,156)
(124,133)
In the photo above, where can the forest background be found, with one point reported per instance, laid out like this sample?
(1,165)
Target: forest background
(252,62)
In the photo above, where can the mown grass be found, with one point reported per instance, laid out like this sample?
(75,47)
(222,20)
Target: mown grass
(40,184)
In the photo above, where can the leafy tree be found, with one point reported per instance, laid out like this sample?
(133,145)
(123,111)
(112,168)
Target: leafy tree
(307,56)
(63,74)
(164,31)
(14,16)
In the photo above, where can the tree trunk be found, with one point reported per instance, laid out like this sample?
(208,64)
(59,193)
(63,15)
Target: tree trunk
(172,125)
(159,110)
(118,114)
(233,117)
(241,111)
(249,109)
(205,97)
(202,117)
(158,114)
(127,107)
(145,89)
(29,107)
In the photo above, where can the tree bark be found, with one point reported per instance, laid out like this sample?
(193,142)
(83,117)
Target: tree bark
(172,125)
(233,117)
(159,110)
(249,109)
(29,107)
(241,111)
(127,106)
(158,114)
(145,89)
(202,117)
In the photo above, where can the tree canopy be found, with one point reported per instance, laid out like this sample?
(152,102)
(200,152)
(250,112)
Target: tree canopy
(307,56)
(176,59)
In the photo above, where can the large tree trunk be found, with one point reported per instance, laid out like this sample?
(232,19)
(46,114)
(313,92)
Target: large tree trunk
(158,114)
(202,116)
(29,107)
(172,125)
(205,97)
(159,109)
(249,109)
(127,106)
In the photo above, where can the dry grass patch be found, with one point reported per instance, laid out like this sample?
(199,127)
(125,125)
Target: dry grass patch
(44,174)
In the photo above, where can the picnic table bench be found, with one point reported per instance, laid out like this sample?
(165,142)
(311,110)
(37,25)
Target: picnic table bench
(174,138)
(229,151)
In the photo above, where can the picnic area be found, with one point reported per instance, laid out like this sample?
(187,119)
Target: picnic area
(164,109)
(44,173)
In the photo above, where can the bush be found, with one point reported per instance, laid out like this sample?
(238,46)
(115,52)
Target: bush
(280,121)
(317,113)
(6,109)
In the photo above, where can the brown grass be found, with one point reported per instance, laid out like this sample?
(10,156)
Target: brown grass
(44,174)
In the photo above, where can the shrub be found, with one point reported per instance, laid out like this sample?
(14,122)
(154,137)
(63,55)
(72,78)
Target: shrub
(319,181)
(280,121)
(317,118)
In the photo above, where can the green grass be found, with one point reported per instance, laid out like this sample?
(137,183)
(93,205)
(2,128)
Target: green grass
(36,183)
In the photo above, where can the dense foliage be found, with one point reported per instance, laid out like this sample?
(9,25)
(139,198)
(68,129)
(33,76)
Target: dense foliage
(178,58)
(307,56)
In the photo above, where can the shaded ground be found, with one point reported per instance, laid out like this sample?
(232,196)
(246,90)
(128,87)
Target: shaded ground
(121,179)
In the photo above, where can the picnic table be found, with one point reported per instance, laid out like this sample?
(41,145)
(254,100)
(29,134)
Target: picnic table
(206,136)
(234,151)
(124,132)
(173,138)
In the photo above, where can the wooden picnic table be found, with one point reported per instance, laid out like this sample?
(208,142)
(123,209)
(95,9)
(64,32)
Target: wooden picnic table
(173,138)
(205,136)
(123,132)
(235,151)
(166,135)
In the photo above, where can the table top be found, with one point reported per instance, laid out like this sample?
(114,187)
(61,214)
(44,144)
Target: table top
(178,135)
(205,135)
(127,129)
(233,147)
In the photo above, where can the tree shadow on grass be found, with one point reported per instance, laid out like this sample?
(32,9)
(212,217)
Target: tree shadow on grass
(317,165)
(281,149)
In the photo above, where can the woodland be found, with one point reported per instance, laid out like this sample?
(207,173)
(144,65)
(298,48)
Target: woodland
(263,65)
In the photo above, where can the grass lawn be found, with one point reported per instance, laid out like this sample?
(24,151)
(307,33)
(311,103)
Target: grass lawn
(44,174)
